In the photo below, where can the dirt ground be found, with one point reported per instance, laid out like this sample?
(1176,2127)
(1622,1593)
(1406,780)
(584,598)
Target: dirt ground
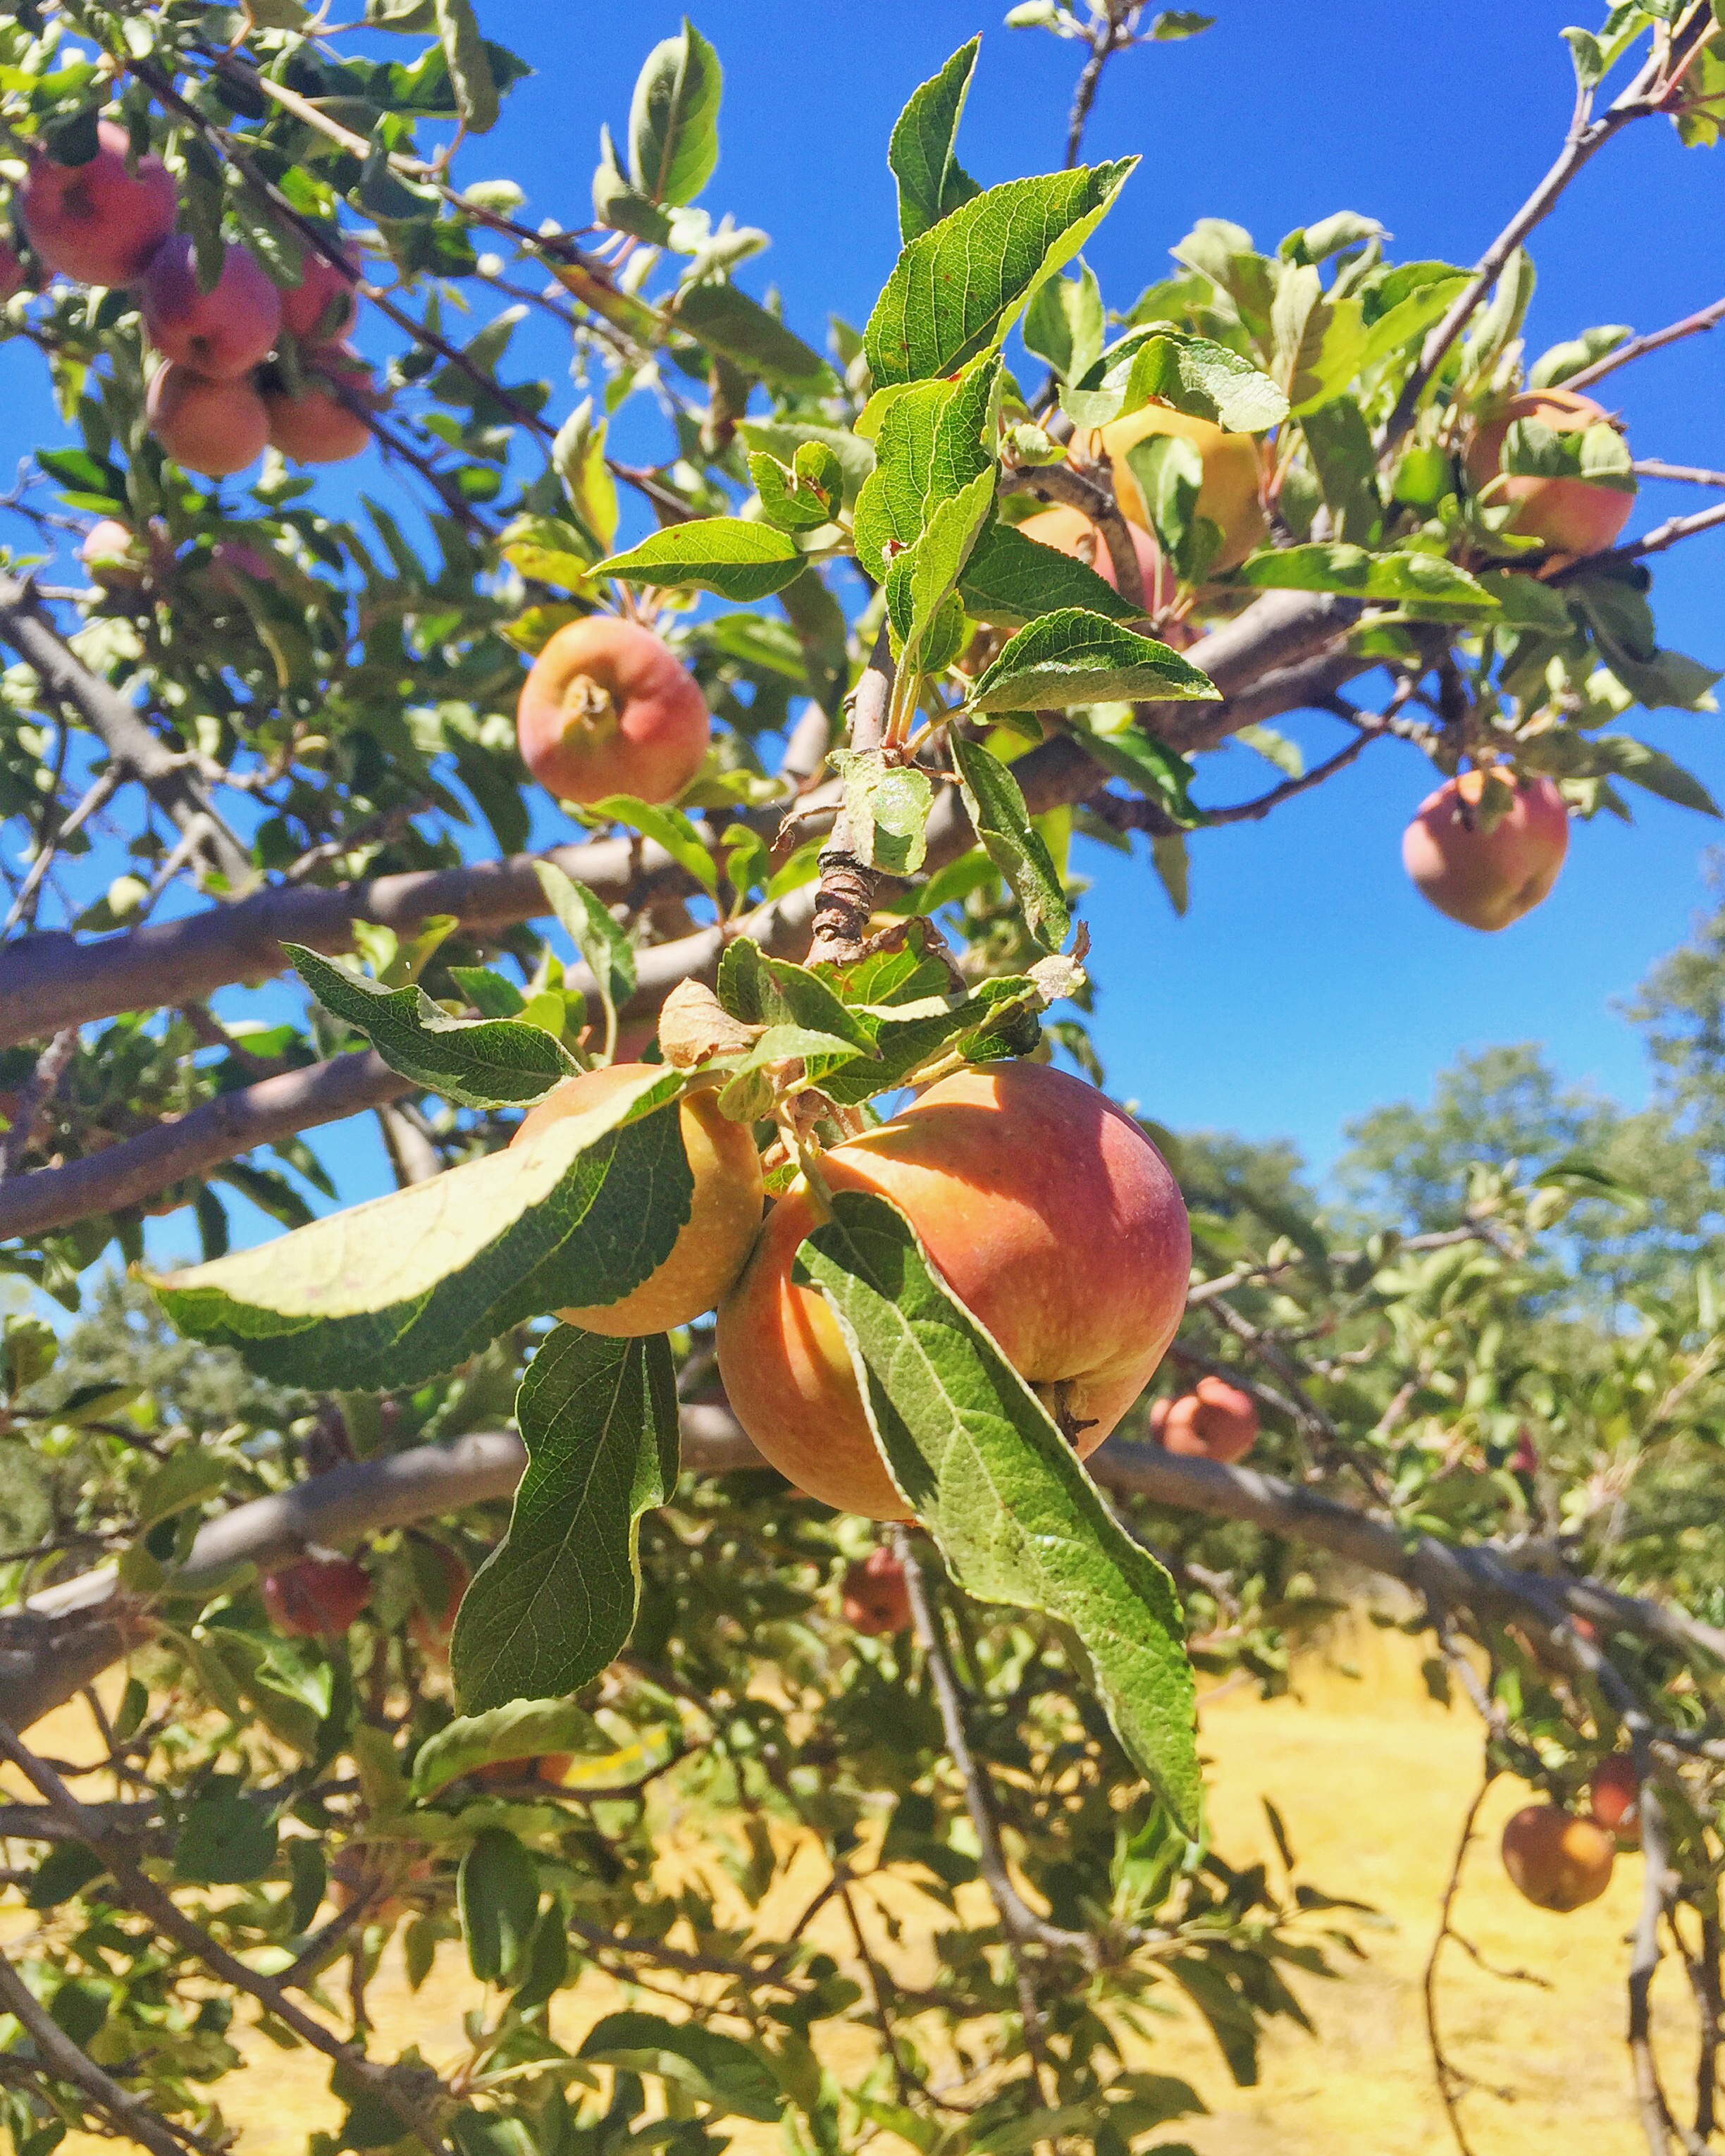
(1372,1780)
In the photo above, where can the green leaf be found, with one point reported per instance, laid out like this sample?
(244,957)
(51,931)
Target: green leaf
(887,806)
(470,65)
(1425,579)
(67,1869)
(492,995)
(609,954)
(391,1293)
(763,991)
(723,554)
(921,579)
(1064,324)
(931,182)
(1275,749)
(1651,768)
(554,1601)
(674,118)
(901,1043)
(578,455)
(727,322)
(1111,734)
(1011,579)
(1343,454)
(1003,1494)
(1560,361)
(715,2069)
(1191,373)
(622,207)
(480,1063)
(995,804)
(789,500)
(497,1893)
(783,438)
(668,828)
(524,1729)
(957,289)
(223,1841)
(1075,657)
(934,440)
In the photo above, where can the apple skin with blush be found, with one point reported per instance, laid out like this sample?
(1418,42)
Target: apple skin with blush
(607,709)
(1486,878)
(1048,1213)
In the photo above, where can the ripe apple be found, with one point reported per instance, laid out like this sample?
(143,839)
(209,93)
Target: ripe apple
(608,709)
(356,1867)
(724,1218)
(317,1597)
(320,426)
(1486,879)
(1558,1861)
(215,427)
(1070,532)
(98,222)
(221,333)
(876,1599)
(1229,495)
(550,1767)
(12,272)
(429,1629)
(1612,1795)
(1570,516)
(1051,1216)
(1216,1421)
(321,308)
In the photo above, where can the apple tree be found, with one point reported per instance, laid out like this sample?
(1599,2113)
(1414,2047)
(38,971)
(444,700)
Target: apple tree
(459,1557)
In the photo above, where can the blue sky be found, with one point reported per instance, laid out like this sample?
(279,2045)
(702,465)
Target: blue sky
(1308,982)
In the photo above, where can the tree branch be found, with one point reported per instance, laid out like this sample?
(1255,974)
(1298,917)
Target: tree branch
(63,2061)
(166,1917)
(1585,138)
(26,626)
(1639,347)
(848,883)
(139,1168)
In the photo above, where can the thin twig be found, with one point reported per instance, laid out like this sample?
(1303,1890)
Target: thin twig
(1689,475)
(1639,347)
(1452,2084)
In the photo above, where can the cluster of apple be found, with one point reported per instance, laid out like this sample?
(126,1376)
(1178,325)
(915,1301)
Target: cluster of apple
(1482,869)
(219,398)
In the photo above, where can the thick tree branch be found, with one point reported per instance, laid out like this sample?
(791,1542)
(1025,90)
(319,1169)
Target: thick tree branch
(26,625)
(49,981)
(140,1167)
(848,883)
(68,1633)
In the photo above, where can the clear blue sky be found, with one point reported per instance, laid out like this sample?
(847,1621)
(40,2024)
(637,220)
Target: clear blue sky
(1308,982)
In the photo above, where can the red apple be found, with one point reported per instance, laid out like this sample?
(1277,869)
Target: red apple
(215,427)
(321,426)
(724,1219)
(1614,1795)
(550,1767)
(1052,1217)
(1215,1421)
(321,307)
(1570,516)
(876,1599)
(98,222)
(1484,878)
(316,1597)
(12,272)
(1559,1862)
(221,333)
(110,552)
(607,709)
